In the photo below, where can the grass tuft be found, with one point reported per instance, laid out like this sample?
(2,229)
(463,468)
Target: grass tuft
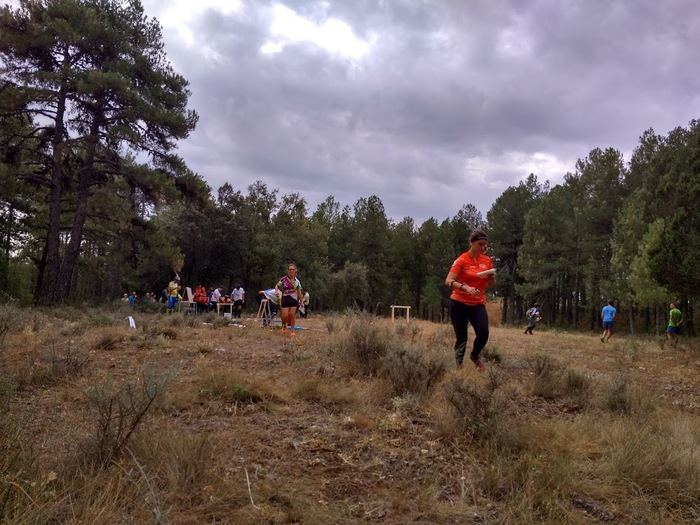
(228,386)
(108,341)
(547,381)
(578,387)
(324,393)
(622,397)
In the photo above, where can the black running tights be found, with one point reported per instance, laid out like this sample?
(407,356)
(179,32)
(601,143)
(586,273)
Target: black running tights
(462,315)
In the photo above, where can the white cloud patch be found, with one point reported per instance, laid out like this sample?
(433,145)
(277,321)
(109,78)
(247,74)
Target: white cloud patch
(333,35)
(498,172)
(180,14)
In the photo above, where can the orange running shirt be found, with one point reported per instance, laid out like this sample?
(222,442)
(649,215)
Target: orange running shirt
(466,268)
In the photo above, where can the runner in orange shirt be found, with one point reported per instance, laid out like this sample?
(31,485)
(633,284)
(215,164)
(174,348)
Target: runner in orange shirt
(468,299)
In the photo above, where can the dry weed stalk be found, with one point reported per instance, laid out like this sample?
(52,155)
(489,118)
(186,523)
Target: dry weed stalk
(119,410)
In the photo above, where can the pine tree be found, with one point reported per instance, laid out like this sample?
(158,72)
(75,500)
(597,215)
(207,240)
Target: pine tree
(97,70)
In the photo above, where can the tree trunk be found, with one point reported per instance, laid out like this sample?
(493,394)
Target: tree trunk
(631,316)
(576,301)
(553,306)
(595,297)
(688,318)
(41,266)
(67,270)
(691,315)
(577,284)
(49,276)
(647,320)
(657,319)
(4,284)
(504,310)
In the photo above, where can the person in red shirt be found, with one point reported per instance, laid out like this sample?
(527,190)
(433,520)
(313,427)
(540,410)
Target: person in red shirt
(200,299)
(468,299)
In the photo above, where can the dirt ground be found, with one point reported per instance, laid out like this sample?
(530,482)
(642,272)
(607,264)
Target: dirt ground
(258,427)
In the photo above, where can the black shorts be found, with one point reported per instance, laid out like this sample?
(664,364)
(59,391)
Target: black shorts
(238,302)
(289,302)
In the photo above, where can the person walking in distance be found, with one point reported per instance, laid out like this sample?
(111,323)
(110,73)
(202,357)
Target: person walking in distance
(533,317)
(675,319)
(607,315)
(214,299)
(238,298)
(305,303)
(470,275)
(200,299)
(173,292)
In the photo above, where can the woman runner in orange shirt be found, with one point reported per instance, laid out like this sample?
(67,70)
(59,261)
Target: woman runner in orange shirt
(468,299)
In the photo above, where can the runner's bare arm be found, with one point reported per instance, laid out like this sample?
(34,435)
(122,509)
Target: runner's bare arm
(453,284)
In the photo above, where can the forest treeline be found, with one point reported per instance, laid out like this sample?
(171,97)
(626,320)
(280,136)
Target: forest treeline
(95,201)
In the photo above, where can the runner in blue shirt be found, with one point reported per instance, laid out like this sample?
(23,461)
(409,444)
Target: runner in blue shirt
(607,315)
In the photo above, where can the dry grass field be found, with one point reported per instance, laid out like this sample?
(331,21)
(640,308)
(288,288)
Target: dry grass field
(354,420)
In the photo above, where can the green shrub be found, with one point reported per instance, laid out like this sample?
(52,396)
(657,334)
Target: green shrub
(406,403)
(364,347)
(98,319)
(411,369)
(479,410)
(492,354)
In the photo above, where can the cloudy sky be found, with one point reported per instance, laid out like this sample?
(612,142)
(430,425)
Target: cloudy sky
(428,104)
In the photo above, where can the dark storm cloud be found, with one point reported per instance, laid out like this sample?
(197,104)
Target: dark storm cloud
(453,102)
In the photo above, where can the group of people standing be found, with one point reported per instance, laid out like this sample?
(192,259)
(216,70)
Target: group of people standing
(208,300)
(287,296)
(132,298)
(205,300)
